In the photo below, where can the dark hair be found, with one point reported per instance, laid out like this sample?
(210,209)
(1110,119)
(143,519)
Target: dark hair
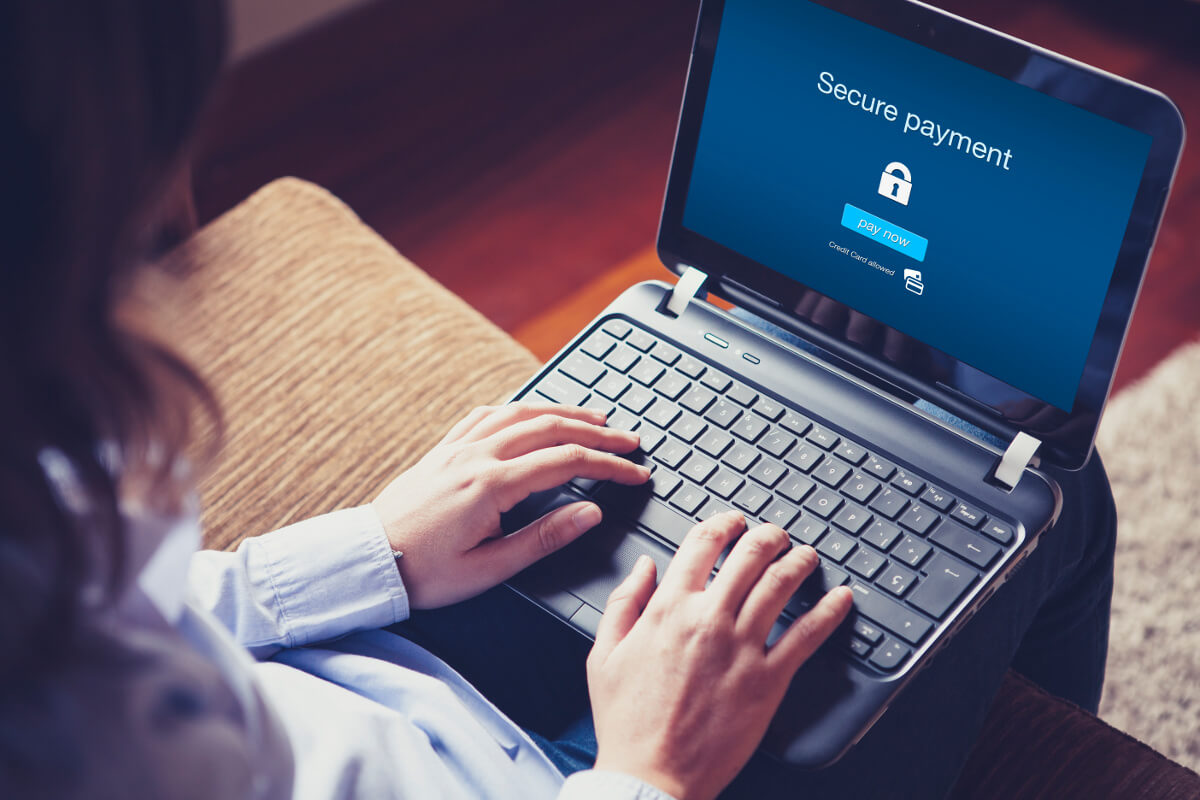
(98,102)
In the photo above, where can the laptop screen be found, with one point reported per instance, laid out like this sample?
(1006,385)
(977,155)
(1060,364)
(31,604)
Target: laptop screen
(974,214)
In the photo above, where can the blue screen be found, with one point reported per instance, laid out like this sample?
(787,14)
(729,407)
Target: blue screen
(992,238)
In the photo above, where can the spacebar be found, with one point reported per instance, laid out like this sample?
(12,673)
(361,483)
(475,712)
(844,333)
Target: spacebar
(637,506)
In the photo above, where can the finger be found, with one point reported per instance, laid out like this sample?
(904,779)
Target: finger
(625,605)
(774,589)
(553,466)
(497,560)
(808,632)
(751,556)
(511,414)
(459,429)
(694,561)
(550,430)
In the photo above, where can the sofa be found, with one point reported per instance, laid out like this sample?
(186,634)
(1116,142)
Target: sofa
(338,363)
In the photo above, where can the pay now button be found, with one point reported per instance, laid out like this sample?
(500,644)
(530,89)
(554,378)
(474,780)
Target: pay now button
(884,232)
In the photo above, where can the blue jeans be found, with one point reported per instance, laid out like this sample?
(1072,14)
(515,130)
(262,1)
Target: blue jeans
(1049,622)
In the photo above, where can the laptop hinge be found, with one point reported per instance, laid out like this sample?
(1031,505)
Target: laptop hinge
(1017,458)
(689,285)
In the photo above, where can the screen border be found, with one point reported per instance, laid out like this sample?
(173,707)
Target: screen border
(1067,437)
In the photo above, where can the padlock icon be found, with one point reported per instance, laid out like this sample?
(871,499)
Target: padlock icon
(896,187)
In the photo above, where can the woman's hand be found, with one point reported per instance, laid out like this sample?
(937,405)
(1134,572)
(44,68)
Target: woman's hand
(444,512)
(682,684)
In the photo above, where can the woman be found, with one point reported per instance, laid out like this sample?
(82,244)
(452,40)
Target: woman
(124,669)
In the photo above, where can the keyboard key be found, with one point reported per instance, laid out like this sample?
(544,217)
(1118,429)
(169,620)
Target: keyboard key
(712,508)
(889,503)
(808,530)
(662,414)
(908,482)
(715,442)
(741,457)
(968,544)
(741,394)
(866,631)
(698,399)
(662,483)
(637,399)
(832,472)
(671,453)
(866,562)
(851,452)
(823,503)
(725,483)
(911,551)
(781,514)
(860,487)
(776,442)
(598,403)
(581,368)
(881,534)
(699,468)
(969,515)
(688,427)
(752,498)
(749,427)
(768,408)
(612,386)
(823,437)
(561,389)
(689,499)
(768,472)
(804,457)
(651,437)
(918,518)
(896,579)
(647,371)
(794,487)
(622,358)
(598,345)
(690,367)
(618,328)
(665,353)
(857,647)
(671,385)
(796,423)
(852,518)
(945,582)
(641,340)
(715,381)
(623,420)
(889,614)
(890,655)
(825,578)
(937,498)
(723,413)
(1000,531)
(881,469)
(835,545)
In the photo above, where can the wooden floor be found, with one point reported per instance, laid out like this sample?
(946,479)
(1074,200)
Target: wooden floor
(518,151)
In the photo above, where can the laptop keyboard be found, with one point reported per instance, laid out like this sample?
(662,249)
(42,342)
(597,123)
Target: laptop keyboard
(908,549)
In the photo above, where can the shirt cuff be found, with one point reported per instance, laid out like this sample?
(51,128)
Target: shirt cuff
(333,575)
(592,784)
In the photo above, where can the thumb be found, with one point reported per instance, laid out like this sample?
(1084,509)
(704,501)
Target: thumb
(500,559)
(625,606)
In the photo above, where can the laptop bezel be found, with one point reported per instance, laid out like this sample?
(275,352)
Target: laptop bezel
(1067,438)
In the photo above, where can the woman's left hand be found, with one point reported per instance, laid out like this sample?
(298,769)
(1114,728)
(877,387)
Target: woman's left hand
(444,512)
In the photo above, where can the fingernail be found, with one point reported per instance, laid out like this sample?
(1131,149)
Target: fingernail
(586,518)
(645,472)
(643,562)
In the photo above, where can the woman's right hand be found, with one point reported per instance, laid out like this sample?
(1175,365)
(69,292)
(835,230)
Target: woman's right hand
(682,683)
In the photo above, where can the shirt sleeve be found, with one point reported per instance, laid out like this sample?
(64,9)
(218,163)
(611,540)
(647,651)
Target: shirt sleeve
(315,580)
(592,784)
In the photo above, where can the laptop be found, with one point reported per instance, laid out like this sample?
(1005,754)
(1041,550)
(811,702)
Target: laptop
(916,218)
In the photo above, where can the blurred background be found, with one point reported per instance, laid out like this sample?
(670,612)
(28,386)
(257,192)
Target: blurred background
(518,151)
